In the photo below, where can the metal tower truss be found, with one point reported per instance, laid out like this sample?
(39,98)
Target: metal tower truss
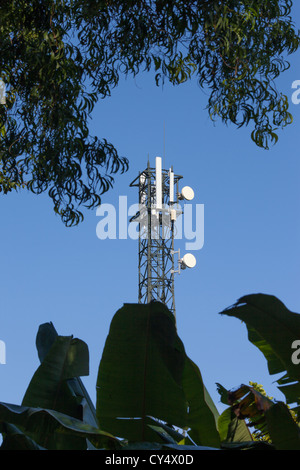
(158,211)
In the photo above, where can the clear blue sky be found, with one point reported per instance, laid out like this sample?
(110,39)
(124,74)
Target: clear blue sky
(252,232)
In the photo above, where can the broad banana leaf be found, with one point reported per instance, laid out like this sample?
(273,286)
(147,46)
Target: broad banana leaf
(15,439)
(67,358)
(144,372)
(172,449)
(49,388)
(45,338)
(170,434)
(33,421)
(202,416)
(283,429)
(232,429)
(272,328)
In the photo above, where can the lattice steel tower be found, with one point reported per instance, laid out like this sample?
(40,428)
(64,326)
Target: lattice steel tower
(158,211)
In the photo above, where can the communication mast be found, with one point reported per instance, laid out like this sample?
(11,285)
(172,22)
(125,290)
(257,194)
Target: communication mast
(159,209)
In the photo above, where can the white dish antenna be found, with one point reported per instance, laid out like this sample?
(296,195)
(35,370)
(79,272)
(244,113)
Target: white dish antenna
(188,261)
(186,193)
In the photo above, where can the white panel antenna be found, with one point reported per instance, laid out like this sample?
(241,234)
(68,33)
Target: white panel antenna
(158,183)
(142,188)
(171,177)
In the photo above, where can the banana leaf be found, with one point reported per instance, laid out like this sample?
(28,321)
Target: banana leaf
(32,421)
(283,429)
(272,328)
(15,439)
(45,338)
(144,372)
(232,429)
(52,386)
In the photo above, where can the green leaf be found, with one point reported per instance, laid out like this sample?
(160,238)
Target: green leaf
(272,328)
(53,386)
(170,447)
(165,436)
(142,446)
(284,431)
(170,432)
(14,439)
(46,336)
(140,372)
(232,429)
(144,372)
(202,419)
(250,445)
(32,420)
(67,358)
(182,448)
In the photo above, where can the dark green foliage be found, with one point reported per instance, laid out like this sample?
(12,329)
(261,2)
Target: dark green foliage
(272,328)
(58,58)
(149,393)
(145,372)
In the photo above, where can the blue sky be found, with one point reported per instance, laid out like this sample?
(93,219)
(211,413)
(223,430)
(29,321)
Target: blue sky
(70,277)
